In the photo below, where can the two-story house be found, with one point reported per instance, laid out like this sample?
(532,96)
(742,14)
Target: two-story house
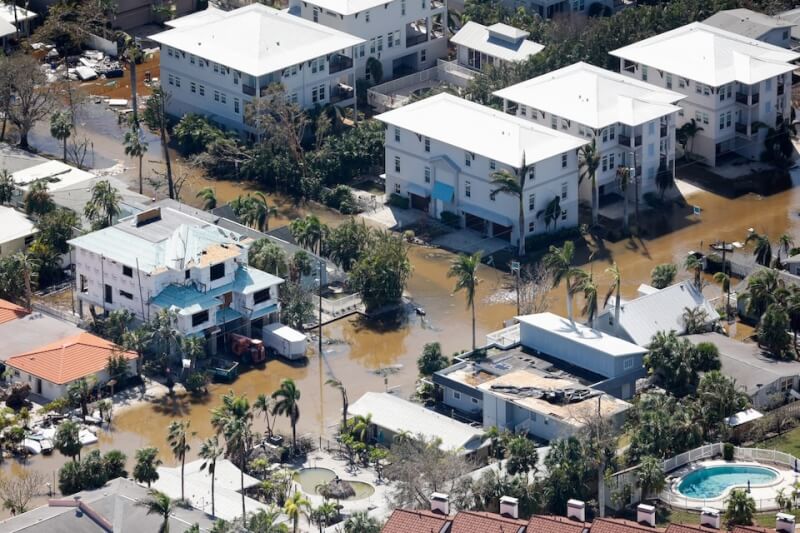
(215,62)
(552,8)
(736,88)
(631,122)
(163,258)
(442,153)
(479,46)
(754,25)
(404,35)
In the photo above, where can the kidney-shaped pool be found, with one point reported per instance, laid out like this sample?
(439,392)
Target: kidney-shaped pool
(712,481)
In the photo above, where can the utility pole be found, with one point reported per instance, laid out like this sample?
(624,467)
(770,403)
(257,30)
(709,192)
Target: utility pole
(320,266)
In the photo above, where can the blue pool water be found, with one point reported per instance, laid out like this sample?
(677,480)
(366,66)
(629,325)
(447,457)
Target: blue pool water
(712,481)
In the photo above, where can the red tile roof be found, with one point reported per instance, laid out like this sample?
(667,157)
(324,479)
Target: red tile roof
(68,359)
(616,525)
(474,522)
(411,521)
(690,528)
(9,311)
(555,524)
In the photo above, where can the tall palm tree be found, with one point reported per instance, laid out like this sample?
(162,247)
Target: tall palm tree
(615,289)
(147,463)
(624,182)
(263,405)
(177,436)
(193,348)
(266,521)
(558,262)
(725,282)
(325,514)
(136,146)
(61,128)
(160,504)
(309,232)
(287,399)
(465,269)
(28,268)
(589,289)
(296,505)
(764,288)
(210,451)
(338,385)
(103,206)
(513,184)
(131,53)
(234,421)
(589,158)
(209,198)
(694,264)
(762,249)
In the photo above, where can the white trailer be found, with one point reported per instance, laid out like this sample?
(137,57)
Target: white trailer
(288,342)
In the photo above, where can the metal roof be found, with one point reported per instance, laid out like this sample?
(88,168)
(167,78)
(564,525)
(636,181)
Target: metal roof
(499,40)
(579,334)
(348,7)
(14,225)
(746,22)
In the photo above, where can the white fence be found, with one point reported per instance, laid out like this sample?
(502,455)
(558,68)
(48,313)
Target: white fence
(504,338)
(703,452)
(341,306)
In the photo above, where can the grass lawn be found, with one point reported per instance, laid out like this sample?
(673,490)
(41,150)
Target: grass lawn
(789,442)
(679,516)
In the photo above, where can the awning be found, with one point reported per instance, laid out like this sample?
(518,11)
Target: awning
(486,214)
(417,190)
(264,311)
(443,192)
(226,315)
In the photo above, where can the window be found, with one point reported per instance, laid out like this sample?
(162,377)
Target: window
(467,159)
(728,119)
(706,90)
(722,121)
(216,67)
(427,144)
(492,164)
(553,122)
(651,150)
(177,81)
(397,135)
(531,227)
(786,34)
(564,214)
(366,15)
(698,88)
(474,400)
(202,90)
(217,271)
(698,116)
(467,189)
(705,118)
(362,50)
(456,395)
(681,83)
(315,14)
(397,163)
(397,37)
(216,96)
(612,132)
(523,111)
(126,295)
(191,59)
(199,318)
(193,87)
(109,295)
(223,98)
(767,106)
(169,51)
(380,43)
(127,271)
(611,161)
(427,174)
(605,163)
(669,81)
(397,188)
(259,297)
(644,72)
(389,40)
(564,189)
(605,135)
(236,105)
(627,364)
(531,202)
(651,127)
(769,83)
(423,56)
(171,79)
(403,7)
(318,94)
(532,173)
(187,274)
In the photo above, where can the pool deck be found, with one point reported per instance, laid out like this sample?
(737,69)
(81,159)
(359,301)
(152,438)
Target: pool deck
(763,495)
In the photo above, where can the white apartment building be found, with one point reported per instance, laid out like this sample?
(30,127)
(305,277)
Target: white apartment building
(215,62)
(404,35)
(627,119)
(441,153)
(732,84)
(478,46)
(163,258)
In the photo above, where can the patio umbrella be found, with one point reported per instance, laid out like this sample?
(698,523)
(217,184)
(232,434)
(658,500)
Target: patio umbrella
(336,489)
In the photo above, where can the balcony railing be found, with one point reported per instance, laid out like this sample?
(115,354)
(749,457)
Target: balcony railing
(663,131)
(412,40)
(625,140)
(745,99)
(249,90)
(781,88)
(741,128)
(339,63)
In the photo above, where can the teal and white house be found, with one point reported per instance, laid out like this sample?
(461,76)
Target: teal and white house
(164,258)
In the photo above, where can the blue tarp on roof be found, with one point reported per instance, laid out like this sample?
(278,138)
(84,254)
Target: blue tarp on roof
(443,192)
(187,299)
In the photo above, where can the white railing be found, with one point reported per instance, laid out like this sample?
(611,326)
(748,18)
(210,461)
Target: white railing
(386,95)
(504,338)
(341,306)
(703,452)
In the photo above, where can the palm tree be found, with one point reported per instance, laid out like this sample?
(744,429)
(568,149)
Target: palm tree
(740,508)
(61,128)
(589,163)
(725,281)
(361,426)
(38,200)
(263,405)
(80,392)
(514,185)
(695,265)
(551,212)
(624,181)
(103,206)
(663,275)
(720,397)
(137,340)
(193,348)
(177,434)
(686,135)
(309,232)
(764,287)
(296,505)
(325,514)
(793,309)
(131,53)
(589,289)
(28,268)
(6,187)
(465,269)
(160,504)
(336,384)
(136,146)
(266,521)
(559,262)
(287,399)
(209,198)
(67,440)
(615,289)
(362,522)
(147,463)
(695,320)
(210,451)
(762,250)
(233,420)
(785,243)
(650,475)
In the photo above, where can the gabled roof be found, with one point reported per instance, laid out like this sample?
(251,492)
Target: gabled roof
(593,96)
(746,22)
(616,525)
(68,359)
(709,55)
(413,521)
(792,16)
(499,40)
(477,522)
(10,311)
(14,225)
(555,524)
(348,7)
(255,39)
(481,130)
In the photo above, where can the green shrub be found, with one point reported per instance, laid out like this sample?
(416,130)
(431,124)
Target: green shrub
(196,383)
(342,199)
(544,240)
(395,200)
(727,451)
(450,219)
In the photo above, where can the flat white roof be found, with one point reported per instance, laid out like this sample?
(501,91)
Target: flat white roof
(748,415)
(499,40)
(209,14)
(710,55)
(593,96)
(481,129)
(14,225)
(348,7)
(397,415)
(583,335)
(7,13)
(58,176)
(255,39)
(285,332)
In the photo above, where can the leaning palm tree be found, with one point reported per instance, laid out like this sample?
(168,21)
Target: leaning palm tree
(263,405)
(558,262)
(160,504)
(725,281)
(177,436)
(234,421)
(513,184)
(589,289)
(287,399)
(338,385)
(209,198)
(589,157)
(695,265)
(136,146)
(615,289)
(762,250)
(210,451)
(61,127)
(296,505)
(465,269)
(103,206)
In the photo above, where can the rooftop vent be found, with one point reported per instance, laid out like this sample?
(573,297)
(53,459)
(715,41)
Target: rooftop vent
(576,510)
(709,517)
(148,216)
(440,503)
(784,523)
(509,506)
(646,515)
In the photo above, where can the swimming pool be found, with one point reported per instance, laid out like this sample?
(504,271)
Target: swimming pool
(712,481)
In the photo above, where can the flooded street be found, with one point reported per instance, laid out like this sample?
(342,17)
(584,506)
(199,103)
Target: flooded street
(356,348)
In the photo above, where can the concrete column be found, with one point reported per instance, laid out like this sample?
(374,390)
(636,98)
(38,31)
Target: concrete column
(212,348)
